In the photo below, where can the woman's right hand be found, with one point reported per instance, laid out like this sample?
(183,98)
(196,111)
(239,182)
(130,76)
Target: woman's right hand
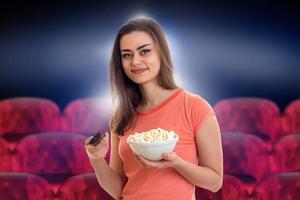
(100,150)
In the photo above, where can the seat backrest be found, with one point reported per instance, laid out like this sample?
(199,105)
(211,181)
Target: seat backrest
(83,186)
(5,156)
(260,117)
(279,187)
(52,154)
(245,156)
(23,116)
(291,118)
(286,154)
(87,116)
(20,186)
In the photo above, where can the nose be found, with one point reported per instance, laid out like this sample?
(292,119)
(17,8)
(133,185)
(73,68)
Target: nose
(136,60)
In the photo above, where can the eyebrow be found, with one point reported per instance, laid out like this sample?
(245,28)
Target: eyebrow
(136,48)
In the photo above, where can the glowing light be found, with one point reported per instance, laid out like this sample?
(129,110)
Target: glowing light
(105,50)
(140,14)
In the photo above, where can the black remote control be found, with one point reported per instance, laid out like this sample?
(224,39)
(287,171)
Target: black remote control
(96,139)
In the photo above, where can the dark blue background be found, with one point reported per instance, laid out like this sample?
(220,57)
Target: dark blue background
(60,49)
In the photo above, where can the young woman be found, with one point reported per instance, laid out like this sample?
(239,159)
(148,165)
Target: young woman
(141,77)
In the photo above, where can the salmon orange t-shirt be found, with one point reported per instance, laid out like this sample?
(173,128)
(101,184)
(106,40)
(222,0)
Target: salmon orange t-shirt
(183,113)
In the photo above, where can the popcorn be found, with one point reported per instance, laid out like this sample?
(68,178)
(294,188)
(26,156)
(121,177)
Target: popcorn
(153,136)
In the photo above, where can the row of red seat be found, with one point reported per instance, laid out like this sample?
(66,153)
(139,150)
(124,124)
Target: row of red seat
(261,117)
(19,186)
(22,116)
(46,153)
(276,187)
(245,155)
(258,116)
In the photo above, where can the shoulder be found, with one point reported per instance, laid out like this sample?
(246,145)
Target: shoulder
(193,100)
(197,109)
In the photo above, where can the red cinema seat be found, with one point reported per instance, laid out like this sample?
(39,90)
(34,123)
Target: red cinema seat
(83,186)
(232,188)
(285,186)
(54,156)
(5,156)
(23,186)
(291,118)
(52,153)
(23,116)
(260,117)
(246,157)
(286,155)
(87,116)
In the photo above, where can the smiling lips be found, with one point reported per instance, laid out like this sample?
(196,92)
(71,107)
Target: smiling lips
(138,70)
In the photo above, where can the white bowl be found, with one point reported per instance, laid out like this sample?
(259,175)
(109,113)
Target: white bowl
(153,151)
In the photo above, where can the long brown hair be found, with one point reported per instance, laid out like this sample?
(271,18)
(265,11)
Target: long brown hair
(124,91)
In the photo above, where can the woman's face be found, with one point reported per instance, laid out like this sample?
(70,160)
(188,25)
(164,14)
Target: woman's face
(140,57)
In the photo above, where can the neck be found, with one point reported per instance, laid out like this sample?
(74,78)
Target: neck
(153,95)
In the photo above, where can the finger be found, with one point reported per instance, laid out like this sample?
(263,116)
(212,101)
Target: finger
(88,140)
(169,156)
(154,164)
(90,155)
(166,156)
(89,148)
(105,139)
(138,160)
(145,162)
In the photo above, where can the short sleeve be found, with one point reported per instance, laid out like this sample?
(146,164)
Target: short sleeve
(199,111)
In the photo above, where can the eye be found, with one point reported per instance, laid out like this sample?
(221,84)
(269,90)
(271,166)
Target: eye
(145,51)
(126,55)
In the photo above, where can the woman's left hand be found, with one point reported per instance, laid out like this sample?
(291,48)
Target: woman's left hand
(169,160)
